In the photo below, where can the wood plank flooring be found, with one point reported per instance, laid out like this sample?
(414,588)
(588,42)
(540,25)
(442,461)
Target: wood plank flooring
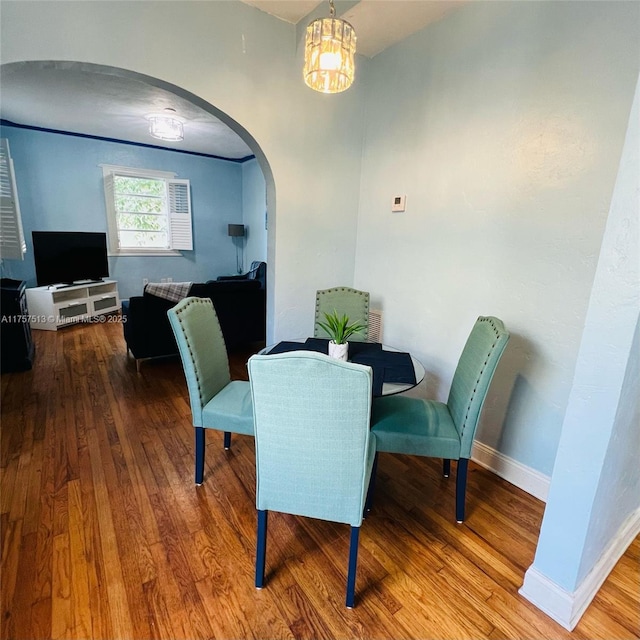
(105,535)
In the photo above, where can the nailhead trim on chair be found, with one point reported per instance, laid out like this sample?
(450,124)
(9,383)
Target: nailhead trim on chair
(360,293)
(178,315)
(495,329)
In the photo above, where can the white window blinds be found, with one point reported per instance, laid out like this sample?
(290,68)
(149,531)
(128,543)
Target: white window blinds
(12,244)
(180,214)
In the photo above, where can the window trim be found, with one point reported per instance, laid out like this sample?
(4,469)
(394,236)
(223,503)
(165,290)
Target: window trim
(108,170)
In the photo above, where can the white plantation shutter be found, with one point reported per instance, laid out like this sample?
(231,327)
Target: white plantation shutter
(179,205)
(112,225)
(12,244)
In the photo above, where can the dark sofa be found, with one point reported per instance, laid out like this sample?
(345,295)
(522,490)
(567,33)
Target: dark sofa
(240,305)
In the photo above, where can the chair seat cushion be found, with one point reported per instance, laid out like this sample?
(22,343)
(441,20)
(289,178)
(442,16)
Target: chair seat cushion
(414,426)
(230,410)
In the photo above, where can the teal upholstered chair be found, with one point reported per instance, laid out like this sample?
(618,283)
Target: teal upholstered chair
(314,448)
(344,300)
(438,430)
(216,401)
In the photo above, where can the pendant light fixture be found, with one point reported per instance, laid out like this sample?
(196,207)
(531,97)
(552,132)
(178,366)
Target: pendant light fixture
(166,125)
(329,54)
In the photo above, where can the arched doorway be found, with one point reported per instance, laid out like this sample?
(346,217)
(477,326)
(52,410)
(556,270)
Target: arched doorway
(95,101)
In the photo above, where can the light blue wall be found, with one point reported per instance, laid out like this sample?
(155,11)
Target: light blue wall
(618,491)
(254,208)
(503,124)
(61,189)
(594,487)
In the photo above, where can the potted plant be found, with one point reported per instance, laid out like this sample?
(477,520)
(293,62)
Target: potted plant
(339,331)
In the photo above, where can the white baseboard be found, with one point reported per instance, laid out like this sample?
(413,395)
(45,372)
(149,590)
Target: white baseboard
(525,478)
(565,607)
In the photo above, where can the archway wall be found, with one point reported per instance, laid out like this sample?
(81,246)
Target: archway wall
(247,64)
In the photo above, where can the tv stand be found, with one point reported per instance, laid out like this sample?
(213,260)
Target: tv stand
(89,281)
(55,306)
(75,283)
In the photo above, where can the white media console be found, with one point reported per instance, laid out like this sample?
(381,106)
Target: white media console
(55,306)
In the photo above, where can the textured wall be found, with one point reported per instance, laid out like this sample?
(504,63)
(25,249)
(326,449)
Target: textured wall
(503,124)
(594,486)
(618,492)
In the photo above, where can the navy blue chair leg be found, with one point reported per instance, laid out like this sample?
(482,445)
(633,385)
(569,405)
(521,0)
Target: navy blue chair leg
(199,454)
(227,440)
(372,486)
(461,488)
(446,468)
(353,562)
(261,548)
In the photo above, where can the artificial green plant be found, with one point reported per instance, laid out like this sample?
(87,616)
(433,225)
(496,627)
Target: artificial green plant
(338,328)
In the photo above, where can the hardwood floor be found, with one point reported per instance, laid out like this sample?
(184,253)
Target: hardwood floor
(105,535)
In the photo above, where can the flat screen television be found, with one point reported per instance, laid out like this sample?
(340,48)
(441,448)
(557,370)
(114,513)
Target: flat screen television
(65,257)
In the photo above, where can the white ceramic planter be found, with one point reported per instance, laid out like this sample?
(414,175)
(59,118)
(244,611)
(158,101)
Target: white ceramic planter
(339,351)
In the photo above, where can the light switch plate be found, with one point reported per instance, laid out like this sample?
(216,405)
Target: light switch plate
(398,203)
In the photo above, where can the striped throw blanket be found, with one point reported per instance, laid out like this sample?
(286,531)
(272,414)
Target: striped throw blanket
(174,291)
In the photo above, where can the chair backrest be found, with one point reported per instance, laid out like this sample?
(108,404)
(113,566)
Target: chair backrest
(202,350)
(258,271)
(344,300)
(313,441)
(473,375)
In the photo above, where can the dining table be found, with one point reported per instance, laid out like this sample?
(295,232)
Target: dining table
(394,371)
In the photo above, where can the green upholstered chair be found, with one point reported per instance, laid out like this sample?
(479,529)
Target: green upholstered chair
(314,448)
(216,401)
(438,430)
(344,300)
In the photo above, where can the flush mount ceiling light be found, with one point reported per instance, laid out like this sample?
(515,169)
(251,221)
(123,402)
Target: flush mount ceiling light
(329,54)
(166,125)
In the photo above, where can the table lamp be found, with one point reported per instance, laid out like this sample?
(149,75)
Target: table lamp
(237,231)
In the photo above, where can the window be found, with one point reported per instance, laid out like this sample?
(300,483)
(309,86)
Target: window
(148,212)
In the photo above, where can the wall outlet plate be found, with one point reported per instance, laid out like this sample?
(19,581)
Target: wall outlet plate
(398,203)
